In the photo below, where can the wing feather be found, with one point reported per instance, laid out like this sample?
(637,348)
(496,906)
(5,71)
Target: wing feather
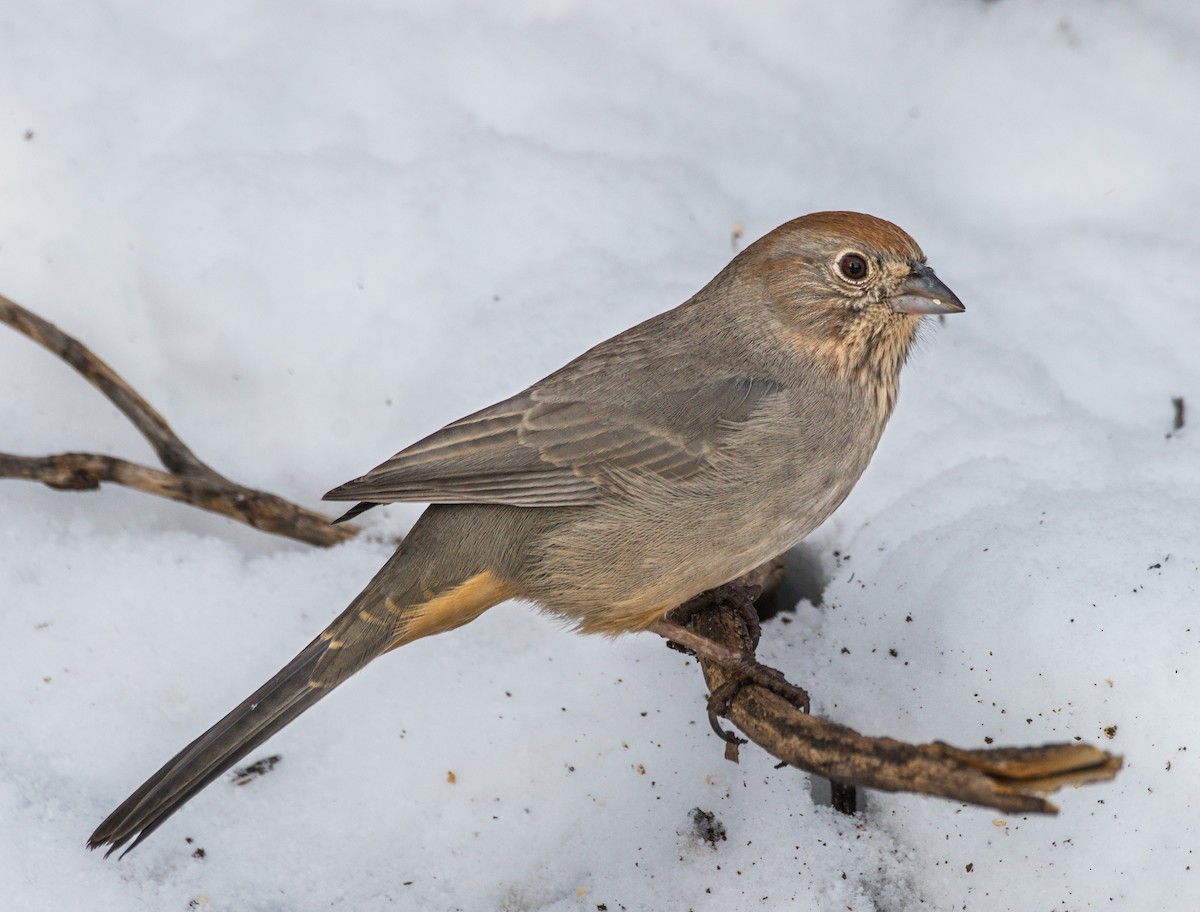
(539,450)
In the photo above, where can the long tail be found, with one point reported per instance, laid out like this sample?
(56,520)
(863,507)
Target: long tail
(397,607)
(259,716)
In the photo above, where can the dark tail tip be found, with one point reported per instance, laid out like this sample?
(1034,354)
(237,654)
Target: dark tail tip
(263,713)
(355,511)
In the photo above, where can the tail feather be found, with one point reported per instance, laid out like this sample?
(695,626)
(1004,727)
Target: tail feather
(427,587)
(356,510)
(263,713)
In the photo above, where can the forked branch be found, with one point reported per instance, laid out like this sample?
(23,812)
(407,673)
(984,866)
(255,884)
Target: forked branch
(187,478)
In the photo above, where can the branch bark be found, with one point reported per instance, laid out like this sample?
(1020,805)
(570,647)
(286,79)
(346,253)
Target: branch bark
(187,478)
(1012,779)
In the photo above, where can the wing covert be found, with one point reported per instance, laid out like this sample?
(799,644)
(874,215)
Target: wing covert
(538,450)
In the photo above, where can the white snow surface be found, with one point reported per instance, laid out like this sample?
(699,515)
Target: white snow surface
(310,233)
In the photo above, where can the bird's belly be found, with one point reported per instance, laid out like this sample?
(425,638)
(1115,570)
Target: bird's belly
(620,569)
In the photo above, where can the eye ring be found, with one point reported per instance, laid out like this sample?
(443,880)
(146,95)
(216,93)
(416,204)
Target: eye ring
(853,267)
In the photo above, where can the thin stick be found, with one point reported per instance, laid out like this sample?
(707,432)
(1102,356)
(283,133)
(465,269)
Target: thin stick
(1008,779)
(188,479)
(170,450)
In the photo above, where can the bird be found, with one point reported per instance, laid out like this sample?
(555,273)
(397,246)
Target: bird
(665,461)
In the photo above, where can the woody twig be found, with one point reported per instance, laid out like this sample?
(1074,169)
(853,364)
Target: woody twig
(184,476)
(1011,779)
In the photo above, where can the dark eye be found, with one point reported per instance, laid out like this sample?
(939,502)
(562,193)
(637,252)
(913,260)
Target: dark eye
(854,267)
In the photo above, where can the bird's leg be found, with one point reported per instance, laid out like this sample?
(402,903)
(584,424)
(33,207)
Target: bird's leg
(741,665)
(686,640)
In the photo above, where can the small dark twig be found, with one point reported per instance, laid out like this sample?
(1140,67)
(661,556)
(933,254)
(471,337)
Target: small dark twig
(1177,403)
(844,798)
(252,771)
(188,479)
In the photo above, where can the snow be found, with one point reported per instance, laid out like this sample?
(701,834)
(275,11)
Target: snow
(311,233)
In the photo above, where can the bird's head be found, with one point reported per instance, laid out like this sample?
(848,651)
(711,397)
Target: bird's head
(850,289)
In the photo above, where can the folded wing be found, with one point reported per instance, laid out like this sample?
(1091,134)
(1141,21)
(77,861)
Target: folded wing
(542,448)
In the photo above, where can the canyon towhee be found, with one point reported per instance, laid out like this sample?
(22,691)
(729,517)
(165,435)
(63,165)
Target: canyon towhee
(666,461)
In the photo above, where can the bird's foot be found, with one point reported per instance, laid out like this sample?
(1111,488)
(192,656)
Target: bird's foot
(736,596)
(740,666)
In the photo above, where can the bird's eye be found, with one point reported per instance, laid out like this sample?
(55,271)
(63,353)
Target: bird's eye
(853,266)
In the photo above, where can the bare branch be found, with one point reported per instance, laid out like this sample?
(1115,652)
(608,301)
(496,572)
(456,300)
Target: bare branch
(170,449)
(187,479)
(1008,779)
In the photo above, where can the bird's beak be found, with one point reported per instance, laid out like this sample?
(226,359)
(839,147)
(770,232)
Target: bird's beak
(924,293)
